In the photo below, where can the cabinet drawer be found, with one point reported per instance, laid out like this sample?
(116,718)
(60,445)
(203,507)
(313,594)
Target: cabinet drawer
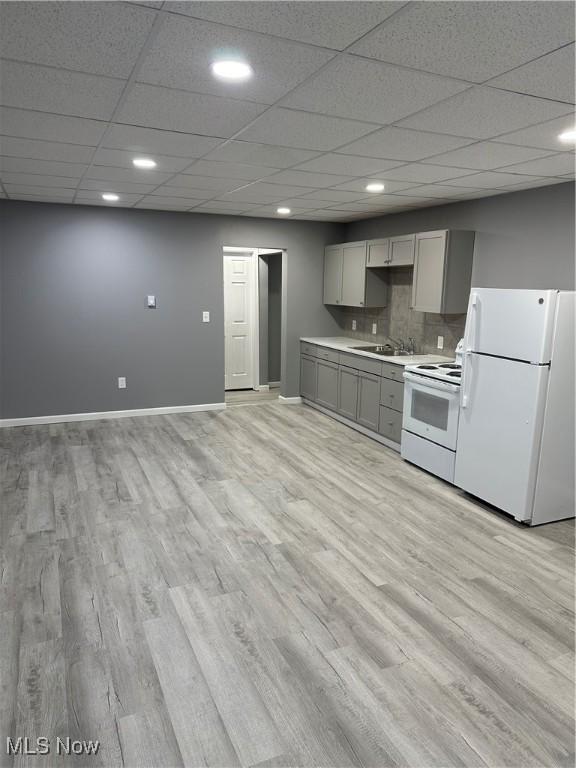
(324,353)
(391,371)
(361,363)
(390,424)
(392,394)
(307,349)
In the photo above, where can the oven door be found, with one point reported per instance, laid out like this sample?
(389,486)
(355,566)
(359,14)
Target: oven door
(431,409)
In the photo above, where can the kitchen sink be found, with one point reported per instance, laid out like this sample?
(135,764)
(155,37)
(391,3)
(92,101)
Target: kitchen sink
(385,349)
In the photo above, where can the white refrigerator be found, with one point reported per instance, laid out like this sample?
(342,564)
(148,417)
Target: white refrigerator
(515,444)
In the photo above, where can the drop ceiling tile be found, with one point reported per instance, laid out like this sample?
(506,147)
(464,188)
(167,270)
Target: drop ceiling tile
(123,158)
(335,195)
(49,197)
(470,40)
(219,212)
(424,174)
(303,130)
(441,190)
(45,150)
(486,155)
(306,22)
(553,165)
(271,210)
(359,186)
(542,182)
(325,215)
(37,180)
(24,124)
(482,113)
(551,77)
(402,144)
(215,183)
(119,186)
(192,194)
(260,154)
(374,209)
(347,165)
(543,136)
(223,207)
(184,49)
(166,203)
(380,93)
(125,198)
(45,167)
(101,38)
(490,179)
(134,175)
(152,106)
(306,203)
(307,179)
(231,170)
(151,141)
(24,189)
(59,91)
(263,193)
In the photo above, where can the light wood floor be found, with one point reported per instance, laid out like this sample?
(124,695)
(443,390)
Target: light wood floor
(265,587)
(251,396)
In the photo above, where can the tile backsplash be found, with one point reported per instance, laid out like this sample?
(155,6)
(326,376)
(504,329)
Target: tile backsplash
(398,321)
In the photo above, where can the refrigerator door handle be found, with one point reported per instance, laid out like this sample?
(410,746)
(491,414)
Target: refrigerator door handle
(466,380)
(471,334)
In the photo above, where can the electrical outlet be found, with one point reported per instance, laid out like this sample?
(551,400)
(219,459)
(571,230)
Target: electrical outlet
(353,325)
(374,328)
(440,342)
(205,317)
(121,382)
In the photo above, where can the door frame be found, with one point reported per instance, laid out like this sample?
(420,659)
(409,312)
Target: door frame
(252,253)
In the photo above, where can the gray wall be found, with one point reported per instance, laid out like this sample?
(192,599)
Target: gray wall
(523,239)
(74,284)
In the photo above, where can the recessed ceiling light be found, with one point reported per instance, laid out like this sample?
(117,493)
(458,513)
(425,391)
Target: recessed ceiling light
(284,211)
(110,197)
(568,136)
(375,186)
(233,71)
(144,162)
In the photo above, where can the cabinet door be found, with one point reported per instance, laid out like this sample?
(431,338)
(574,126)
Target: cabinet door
(327,384)
(308,377)
(333,274)
(347,392)
(377,253)
(390,424)
(429,263)
(402,251)
(368,400)
(354,275)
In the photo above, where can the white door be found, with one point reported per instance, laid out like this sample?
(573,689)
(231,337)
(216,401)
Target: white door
(239,321)
(498,431)
(511,323)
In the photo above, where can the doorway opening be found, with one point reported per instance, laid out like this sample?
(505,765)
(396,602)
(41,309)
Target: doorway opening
(253,320)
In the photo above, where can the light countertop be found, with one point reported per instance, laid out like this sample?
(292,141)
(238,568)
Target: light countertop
(345,344)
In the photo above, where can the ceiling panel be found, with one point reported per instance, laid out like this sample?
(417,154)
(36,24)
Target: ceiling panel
(271,210)
(23,123)
(25,189)
(125,198)
(119,186)
(442,190)
(231,170)
(165,203)
(152,141)
(195,181)
(303,130)
(306,203)
(543,136)
(223,207)
(37,180)
(307,179)
(487,155)
(134,175)
(49,196)
(380,93)
(401,144)
(359,186)
(124,159)
(261,192)
(331,24)
(155,107)
(482,113)
(45,167)
(490,180)
(45,150)
(166,190)
(334,195)
(56,90)
(260,154)
(102,38)
(426,174)
(184,50)
(347,165)
(553,165)
(551,77)
(470,40)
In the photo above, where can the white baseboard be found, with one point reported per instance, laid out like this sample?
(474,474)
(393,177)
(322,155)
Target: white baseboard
(35,420)
(289,400)
(263,388)
(353,425)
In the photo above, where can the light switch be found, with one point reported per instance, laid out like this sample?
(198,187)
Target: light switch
(374,328)
(353,325)
(121,382)
(440,342)
(205,317)
(151,302)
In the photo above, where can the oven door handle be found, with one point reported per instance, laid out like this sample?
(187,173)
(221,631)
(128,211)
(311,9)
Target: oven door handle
(429,383)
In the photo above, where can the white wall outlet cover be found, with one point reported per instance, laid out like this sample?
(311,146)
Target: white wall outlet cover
(353,325)
(440,342)
(151,302)
(121,382)
(374,328)
(205,317)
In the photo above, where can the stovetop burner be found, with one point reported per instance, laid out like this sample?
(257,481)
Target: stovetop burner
(444,371)
(455,366)
(455,373)
(427,367)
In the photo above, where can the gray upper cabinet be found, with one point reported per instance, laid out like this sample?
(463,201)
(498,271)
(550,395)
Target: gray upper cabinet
(347,282)
(354,275)
(401,251)
(442,271)
(377,253)
(333,259)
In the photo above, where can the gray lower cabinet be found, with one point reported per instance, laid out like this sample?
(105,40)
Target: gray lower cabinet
(368,400)
(390,425)
(392,394)
(347,392)
(327,384)
(308,377)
